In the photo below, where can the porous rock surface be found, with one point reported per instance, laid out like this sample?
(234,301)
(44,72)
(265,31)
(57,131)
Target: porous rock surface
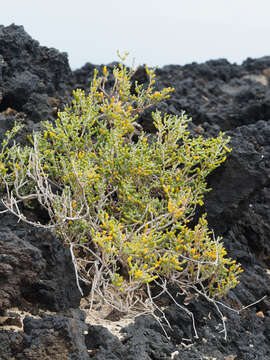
(36,271)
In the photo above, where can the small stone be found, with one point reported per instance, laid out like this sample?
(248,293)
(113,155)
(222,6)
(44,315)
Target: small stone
(260,314)
(174,354)
(230,357)
(199,129)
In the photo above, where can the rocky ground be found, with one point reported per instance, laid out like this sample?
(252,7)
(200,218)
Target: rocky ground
(40,314)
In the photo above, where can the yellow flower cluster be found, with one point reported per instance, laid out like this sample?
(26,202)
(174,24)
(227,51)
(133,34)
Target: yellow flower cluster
(173,209)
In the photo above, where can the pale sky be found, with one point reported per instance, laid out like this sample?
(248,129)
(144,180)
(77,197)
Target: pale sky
(155,32)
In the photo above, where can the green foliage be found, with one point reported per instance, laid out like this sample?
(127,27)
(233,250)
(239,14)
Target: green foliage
(121,198)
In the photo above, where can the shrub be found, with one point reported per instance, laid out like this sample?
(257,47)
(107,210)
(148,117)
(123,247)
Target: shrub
(120,199)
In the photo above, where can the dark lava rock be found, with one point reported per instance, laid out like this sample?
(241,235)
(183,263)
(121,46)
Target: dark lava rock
(35,268)
(246,171)
(55,337)
(218,93)
(36,271)
(31,75)
(101,344)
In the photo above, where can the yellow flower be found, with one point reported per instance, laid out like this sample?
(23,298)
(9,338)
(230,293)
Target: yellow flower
(52,134)
(138,274)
